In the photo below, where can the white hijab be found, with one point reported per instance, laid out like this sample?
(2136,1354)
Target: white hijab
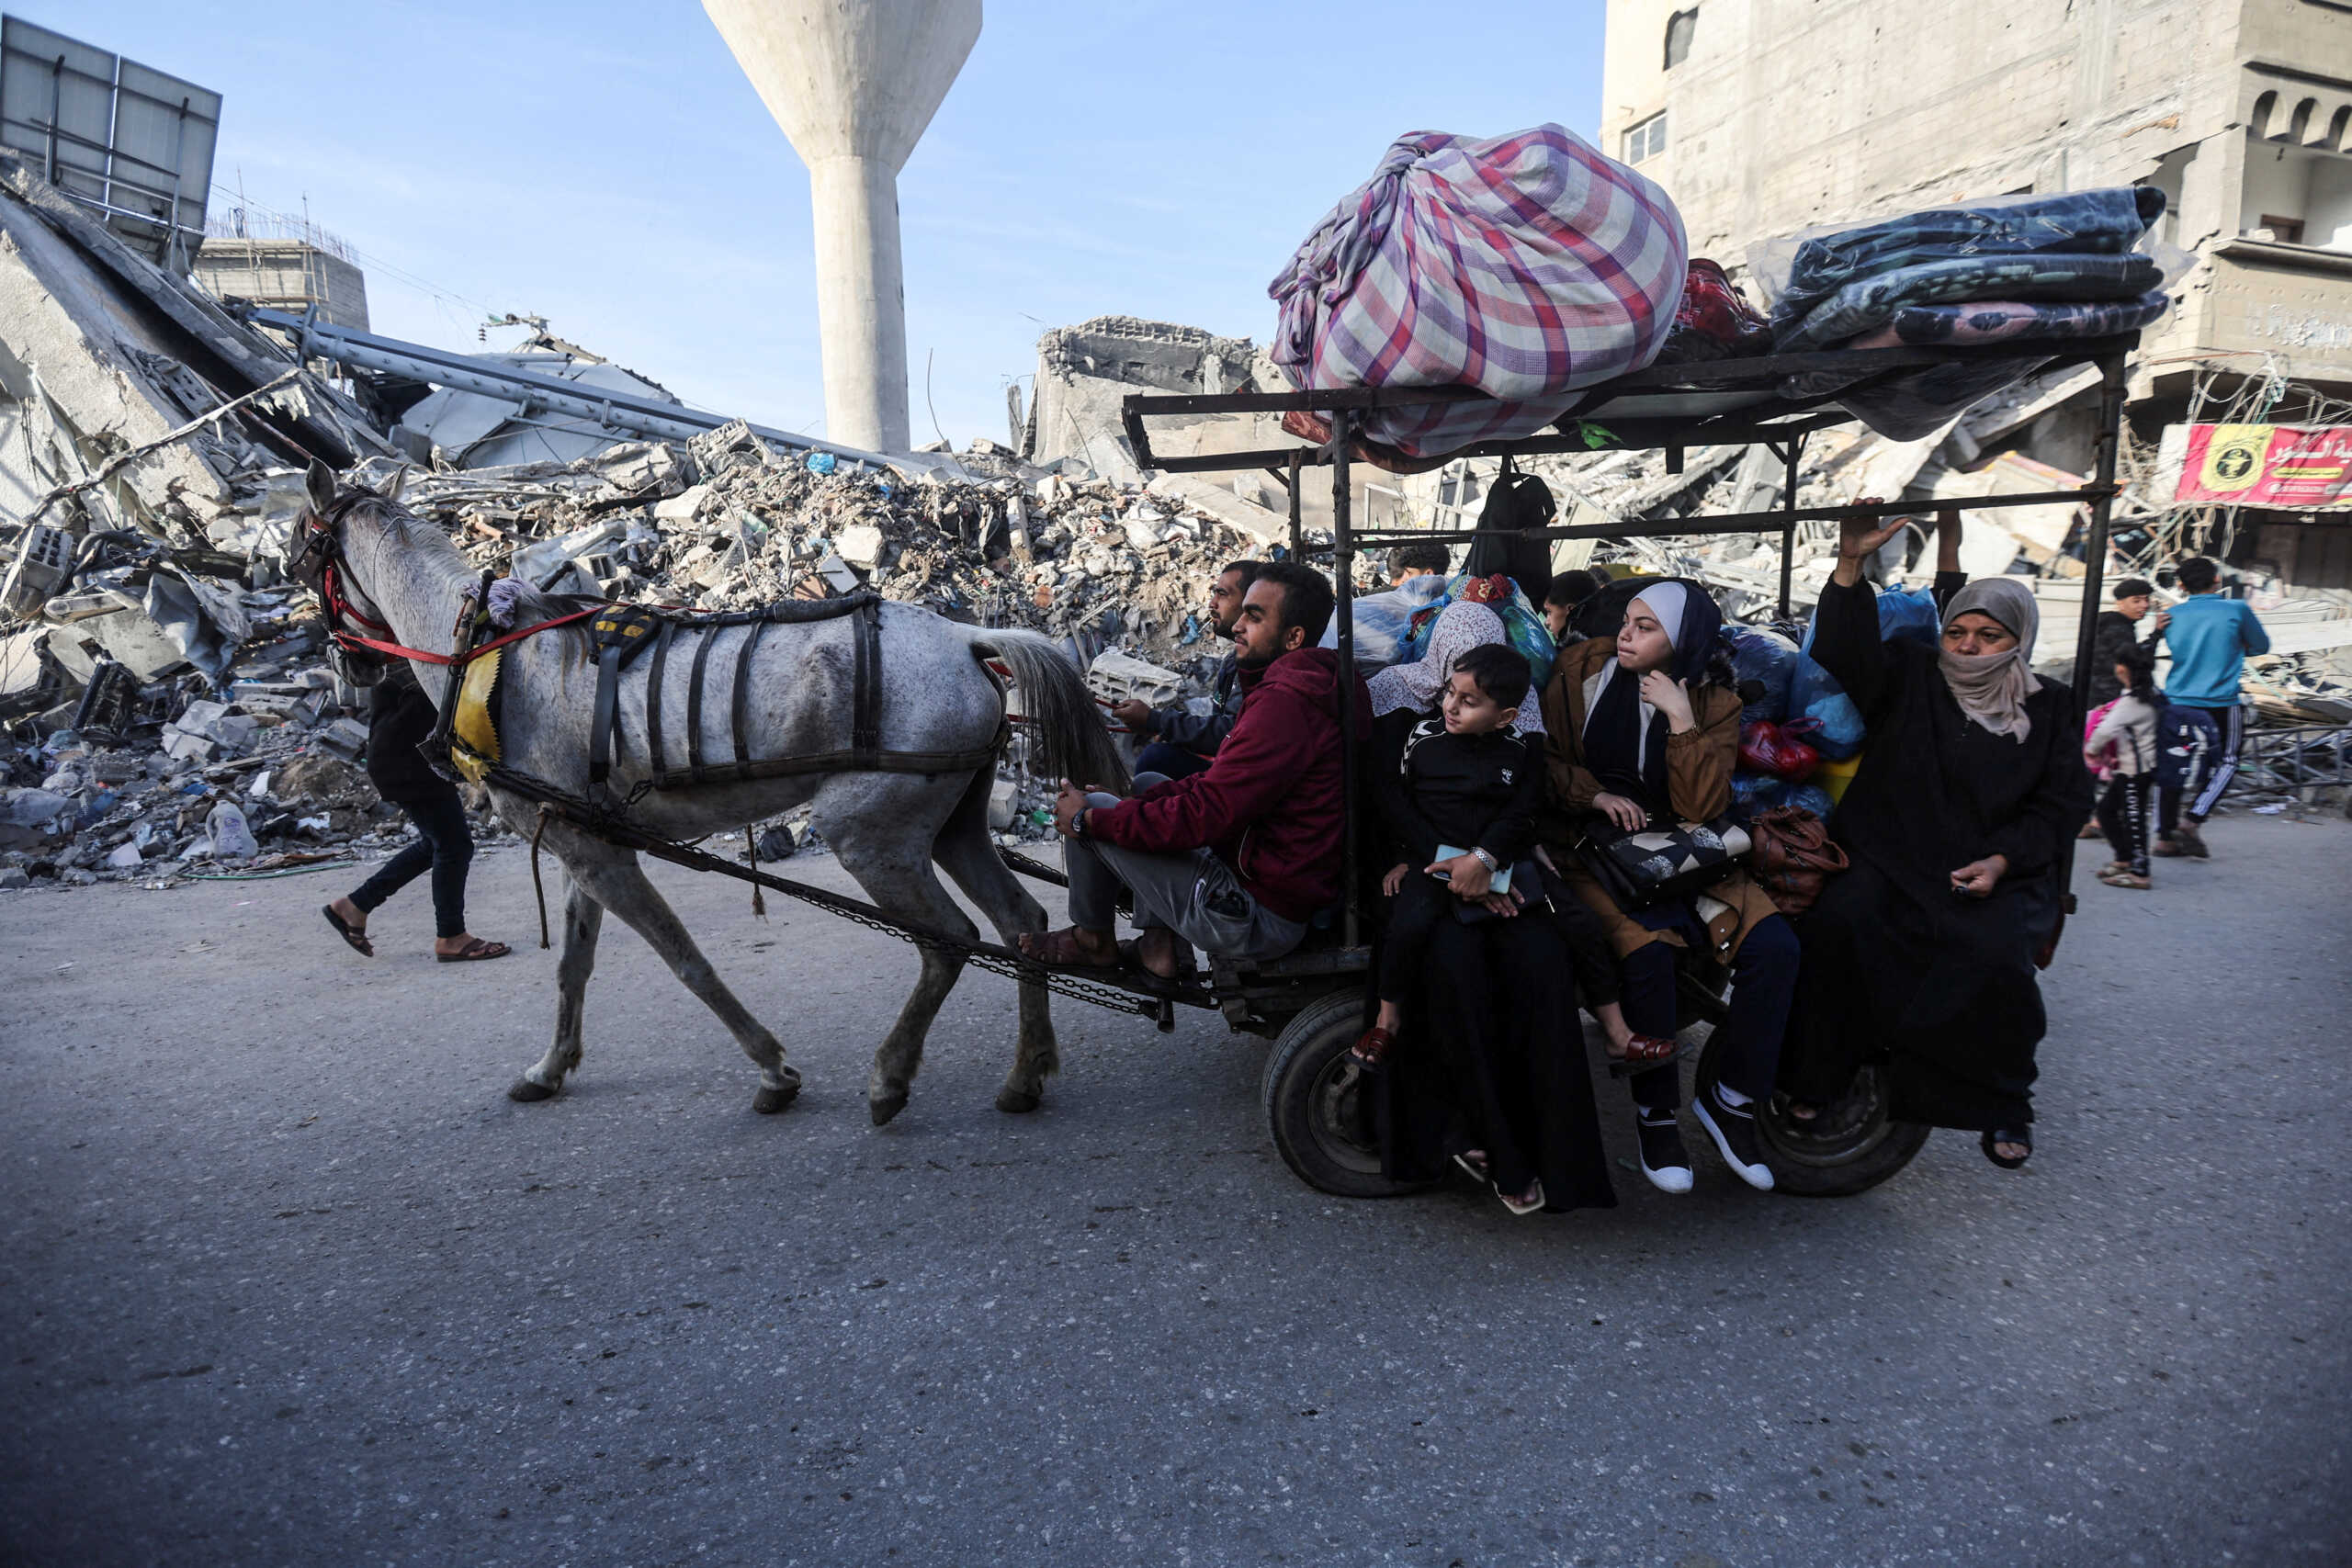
(1665,602)
(1460,626)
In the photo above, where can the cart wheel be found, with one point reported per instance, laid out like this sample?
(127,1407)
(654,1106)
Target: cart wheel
(1851,1147)
(1320,1119)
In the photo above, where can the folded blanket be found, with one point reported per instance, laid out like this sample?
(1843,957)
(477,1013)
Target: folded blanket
(2094,223)
(1913,404)
(2002,320)
(1871,302)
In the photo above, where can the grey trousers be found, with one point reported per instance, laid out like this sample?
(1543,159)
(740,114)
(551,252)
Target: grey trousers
(1196,894)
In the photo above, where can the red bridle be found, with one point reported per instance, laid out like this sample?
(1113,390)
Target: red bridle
(322,541)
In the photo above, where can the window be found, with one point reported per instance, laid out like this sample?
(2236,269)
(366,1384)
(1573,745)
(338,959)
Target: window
(1679,29)
(1646,140)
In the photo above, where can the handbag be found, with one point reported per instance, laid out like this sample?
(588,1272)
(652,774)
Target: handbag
(1794,854)
(1658,866)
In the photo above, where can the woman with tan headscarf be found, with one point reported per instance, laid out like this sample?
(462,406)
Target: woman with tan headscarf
(1972,784)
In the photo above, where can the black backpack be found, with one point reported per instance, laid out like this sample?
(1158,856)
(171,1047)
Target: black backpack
(1518,502)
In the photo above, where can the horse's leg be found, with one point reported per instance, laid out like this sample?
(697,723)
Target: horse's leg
(614,878)
(583,919)
(881,849)
(969,854)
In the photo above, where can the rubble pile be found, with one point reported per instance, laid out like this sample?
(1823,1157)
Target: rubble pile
(172,709)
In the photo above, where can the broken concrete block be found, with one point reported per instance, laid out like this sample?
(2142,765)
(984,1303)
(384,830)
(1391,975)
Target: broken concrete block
(199,715)
(682,508)
(126,857)
(313,776)
(861,545)
(43,557)
(182,747)
(36,807)
(1004,801)
(346,738)
(15,876)
(130,638)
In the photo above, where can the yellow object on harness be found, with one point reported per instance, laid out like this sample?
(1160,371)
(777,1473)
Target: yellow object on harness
(473,738)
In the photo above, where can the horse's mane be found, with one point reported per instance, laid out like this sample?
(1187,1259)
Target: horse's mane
(417,536)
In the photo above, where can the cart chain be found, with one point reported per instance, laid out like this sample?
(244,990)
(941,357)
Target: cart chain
(619,831)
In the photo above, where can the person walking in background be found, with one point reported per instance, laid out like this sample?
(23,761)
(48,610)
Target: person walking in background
(2124,742)
(1181,742)
(2115,634)
(2208,635)
(401,718)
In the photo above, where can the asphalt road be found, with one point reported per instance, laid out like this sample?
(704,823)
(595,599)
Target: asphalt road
(289,1280)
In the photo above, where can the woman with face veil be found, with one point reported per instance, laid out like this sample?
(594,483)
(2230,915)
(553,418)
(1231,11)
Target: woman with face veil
(1971,784)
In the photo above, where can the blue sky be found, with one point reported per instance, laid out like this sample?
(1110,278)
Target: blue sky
(610,167)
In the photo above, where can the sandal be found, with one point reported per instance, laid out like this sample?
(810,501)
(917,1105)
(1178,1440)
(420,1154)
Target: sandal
(1060,948)
(1644,1051)
(474,952)
(1475,1162)
(2126,877)
(1187,965)
(2008,1136)
(349,933)
(1371,1047)
(1526,1203)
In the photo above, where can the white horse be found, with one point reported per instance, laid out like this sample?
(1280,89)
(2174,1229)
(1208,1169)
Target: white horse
(886,828)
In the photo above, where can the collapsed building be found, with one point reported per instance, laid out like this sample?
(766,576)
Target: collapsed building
(170,707)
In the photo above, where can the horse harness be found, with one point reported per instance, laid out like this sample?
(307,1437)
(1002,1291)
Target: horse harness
(622,633)
(466,739)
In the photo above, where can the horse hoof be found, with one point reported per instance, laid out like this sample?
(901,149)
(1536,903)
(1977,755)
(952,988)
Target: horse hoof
(1017,1101)
(887,1107)
(523,1091)
(768,1101)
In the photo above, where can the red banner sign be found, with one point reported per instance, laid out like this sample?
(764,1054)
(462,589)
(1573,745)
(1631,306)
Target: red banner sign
(2291,466)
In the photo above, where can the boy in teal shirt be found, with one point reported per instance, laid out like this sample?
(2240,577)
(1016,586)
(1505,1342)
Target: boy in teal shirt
(2209,636)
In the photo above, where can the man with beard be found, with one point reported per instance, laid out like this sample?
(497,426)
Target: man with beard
(1181,742)
(1238,857)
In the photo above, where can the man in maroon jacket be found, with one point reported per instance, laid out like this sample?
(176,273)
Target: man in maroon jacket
(1240,857)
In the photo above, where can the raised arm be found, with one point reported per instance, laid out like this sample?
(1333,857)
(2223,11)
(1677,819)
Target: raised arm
(1949,578)
(1845,625)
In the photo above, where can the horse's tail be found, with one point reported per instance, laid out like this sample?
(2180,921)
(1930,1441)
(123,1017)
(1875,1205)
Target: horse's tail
(1072,741)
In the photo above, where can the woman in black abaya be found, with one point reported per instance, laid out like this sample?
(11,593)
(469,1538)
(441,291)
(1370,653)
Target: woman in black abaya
(1972,784)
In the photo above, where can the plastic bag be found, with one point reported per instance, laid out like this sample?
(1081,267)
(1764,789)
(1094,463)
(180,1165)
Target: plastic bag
(1525,265)
(1768,747)
(1814,695)
(1906,614)
(1525,629)
(1768,659)
(1714,319)
(1383,620)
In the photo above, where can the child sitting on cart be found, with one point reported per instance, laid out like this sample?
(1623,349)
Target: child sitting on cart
(1463,801)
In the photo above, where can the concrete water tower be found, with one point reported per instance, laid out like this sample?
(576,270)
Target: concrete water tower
(854,83)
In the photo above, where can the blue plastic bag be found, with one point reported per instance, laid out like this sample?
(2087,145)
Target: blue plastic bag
(1815,694)
(1523,623)
(1768,659)
(1906,614)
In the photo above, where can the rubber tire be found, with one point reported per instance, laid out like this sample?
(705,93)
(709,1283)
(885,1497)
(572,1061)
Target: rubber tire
(1876,1148)
(1308,1054)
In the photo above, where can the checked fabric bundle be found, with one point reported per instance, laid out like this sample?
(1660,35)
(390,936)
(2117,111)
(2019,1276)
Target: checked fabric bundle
(1526,266)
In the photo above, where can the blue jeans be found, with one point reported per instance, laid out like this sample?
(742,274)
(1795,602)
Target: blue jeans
(443,842)
(1170,761)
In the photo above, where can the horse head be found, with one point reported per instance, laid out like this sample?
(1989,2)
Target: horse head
(337,522)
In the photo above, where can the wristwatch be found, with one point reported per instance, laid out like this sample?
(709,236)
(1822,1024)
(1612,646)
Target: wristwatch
(1078,823)
(1486,860)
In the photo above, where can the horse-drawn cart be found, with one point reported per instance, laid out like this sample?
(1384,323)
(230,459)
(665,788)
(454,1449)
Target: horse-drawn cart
(903,761)
(1311,1003)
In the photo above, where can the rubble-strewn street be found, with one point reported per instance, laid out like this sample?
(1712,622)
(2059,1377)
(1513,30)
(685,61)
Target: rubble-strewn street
(640,1324)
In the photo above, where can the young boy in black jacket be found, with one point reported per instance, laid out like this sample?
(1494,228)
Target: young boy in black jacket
(1471,783)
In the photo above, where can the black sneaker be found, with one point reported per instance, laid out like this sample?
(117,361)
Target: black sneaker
(1664,1159)
(1734,1131)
